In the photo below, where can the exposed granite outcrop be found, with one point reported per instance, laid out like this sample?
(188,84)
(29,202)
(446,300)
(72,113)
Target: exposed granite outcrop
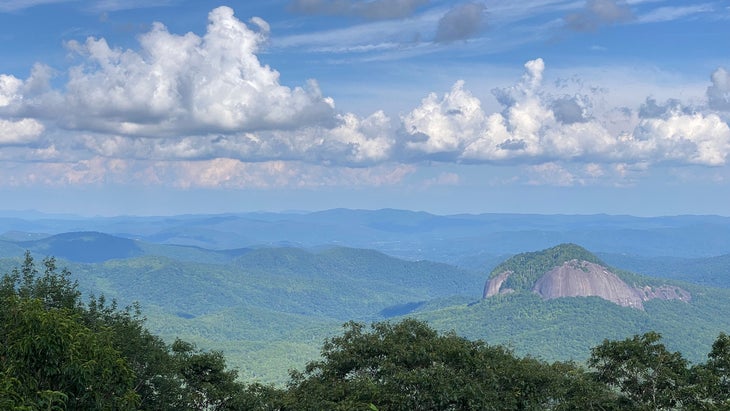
(583,279)
(494,286)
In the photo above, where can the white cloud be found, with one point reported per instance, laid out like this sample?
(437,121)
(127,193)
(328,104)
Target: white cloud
(203,111)
(354,141)
(19,132)
(718,94)
(444,125)
(683,138)
(184,84)
(536,127)
(9,89)
(526,128)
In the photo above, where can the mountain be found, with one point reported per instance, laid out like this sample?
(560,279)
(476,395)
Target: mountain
(268,308)
(472,239)
(87,247)
(568,270)
(557,303)
(267,288)
(710,271)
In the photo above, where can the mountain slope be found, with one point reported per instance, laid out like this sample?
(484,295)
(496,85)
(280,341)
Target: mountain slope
(86,247)
(269,308)
(568,270)
(708,271)
(255,303)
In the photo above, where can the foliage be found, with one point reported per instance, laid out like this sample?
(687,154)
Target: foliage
(409,366)
(51,354)
(58,353)
(641,368)
(713,377)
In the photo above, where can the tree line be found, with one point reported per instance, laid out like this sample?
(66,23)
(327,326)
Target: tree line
(61,352)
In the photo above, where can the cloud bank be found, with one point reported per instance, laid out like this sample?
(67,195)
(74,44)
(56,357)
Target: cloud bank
(536,127)
(191,110)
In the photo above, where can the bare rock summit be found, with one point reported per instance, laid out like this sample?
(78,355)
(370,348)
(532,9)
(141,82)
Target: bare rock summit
(553,273)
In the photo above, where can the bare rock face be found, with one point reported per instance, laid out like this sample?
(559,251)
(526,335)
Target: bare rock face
(576,278)
(583,279)
(664,292)
(493,286)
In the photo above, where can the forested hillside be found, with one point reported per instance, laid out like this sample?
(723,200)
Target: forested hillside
(269,304)
(269,309)
(59,351)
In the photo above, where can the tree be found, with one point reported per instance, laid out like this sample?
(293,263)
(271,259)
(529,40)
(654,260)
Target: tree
(409,366)
(48,357)
(711,380)
(208,384)
(644,371)
(54,289)
(58,353)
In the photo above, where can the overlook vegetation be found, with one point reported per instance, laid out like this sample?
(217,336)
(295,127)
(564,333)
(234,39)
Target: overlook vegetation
(58,352)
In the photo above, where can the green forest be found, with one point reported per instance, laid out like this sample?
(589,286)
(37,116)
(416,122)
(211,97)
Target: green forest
(59,351)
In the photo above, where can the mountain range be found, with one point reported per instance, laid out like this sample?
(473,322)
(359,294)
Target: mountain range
(268,288)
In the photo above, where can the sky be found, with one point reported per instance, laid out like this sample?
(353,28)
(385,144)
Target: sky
(160,107)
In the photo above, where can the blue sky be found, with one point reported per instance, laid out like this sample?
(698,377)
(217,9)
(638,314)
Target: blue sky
(539,106)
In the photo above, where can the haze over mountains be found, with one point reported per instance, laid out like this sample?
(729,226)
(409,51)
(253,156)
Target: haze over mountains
(268,287)
(405,233)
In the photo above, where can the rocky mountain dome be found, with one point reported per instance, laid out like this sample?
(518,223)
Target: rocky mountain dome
(553,273)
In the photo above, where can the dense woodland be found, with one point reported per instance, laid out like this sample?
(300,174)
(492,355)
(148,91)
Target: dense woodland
(59,352)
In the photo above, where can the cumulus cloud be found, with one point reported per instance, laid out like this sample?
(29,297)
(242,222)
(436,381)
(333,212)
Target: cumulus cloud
(19,132)
(182,84)
(9,89)
(371,10)
(354,142)
(683,138)
(598,13)
(533,127)
(538,128)
(461,22)
(718,94)
(204,111)
(442,125)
